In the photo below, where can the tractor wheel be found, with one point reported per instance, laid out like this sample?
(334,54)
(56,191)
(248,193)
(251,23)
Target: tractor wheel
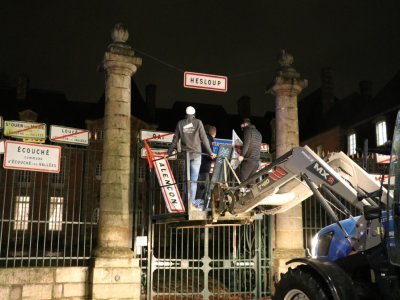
(299,284)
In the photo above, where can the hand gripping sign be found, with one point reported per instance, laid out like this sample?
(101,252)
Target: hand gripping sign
(166,180)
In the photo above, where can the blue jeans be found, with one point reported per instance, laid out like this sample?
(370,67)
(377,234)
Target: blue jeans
(194,175)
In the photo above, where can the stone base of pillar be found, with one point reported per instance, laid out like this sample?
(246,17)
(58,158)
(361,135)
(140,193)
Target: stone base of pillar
(280,257)
(115,278)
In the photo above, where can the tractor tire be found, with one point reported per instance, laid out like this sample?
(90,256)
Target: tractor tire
(300,284)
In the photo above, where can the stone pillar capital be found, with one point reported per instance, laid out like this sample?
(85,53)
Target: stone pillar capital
(124,65)
(287,81)
(287,87)
(119,56)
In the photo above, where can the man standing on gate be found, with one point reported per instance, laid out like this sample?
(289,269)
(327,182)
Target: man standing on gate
(190,131)
(250,156)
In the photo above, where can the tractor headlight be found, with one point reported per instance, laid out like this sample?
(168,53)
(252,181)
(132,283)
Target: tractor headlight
(314,245)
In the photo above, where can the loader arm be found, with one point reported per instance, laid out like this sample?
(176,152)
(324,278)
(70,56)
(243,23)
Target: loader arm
(280,186)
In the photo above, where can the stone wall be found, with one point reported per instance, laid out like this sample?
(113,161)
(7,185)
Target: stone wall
(44,283)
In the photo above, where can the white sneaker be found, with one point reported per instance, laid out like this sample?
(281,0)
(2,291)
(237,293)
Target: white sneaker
(198,203)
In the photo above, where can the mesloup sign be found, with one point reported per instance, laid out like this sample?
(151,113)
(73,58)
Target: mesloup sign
(202,81)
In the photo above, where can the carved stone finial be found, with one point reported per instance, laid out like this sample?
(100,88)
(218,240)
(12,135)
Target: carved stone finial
(285,59)
(119,34)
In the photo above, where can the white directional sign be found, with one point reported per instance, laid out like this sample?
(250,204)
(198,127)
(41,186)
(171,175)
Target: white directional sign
(202,81)
(69,135)
(19,129)
(2,144)
(32,157)
(156,136)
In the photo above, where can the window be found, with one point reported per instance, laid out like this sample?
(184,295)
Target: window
(381,135)
(99,134)
(351,144)
(98,170)
(56,213)
(21,213)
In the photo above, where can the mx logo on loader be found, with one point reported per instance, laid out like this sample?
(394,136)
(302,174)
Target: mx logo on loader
(322,173)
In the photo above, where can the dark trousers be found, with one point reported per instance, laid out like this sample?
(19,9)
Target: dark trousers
(248,168)
(203,183)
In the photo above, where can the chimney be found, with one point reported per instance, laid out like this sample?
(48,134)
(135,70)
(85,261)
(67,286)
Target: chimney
(243,105)
(22,87)
(327,89)
(366,89)
(151,90)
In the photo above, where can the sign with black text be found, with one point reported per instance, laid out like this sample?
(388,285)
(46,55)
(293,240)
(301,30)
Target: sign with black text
(69,135)
(32,157)
(202,81)
(156,136)
(23,130)
(168,186)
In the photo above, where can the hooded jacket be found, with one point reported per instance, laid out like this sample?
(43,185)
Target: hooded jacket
(192,135)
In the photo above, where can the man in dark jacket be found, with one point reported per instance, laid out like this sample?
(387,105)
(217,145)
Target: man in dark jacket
(190,131)
(250,156)
(204,175)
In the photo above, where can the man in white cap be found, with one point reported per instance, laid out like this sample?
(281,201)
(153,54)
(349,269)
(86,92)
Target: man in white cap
(190,131)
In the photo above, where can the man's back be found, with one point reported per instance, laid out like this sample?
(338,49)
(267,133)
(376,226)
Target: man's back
(252,142)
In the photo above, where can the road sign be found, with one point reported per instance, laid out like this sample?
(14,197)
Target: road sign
(1,122)
(382,159)
(156,136)
(168,186)
(69,135)
(218,142)
(20,129)
(157,152)
(32,157)
(202,81)
(378,178)
(2,144)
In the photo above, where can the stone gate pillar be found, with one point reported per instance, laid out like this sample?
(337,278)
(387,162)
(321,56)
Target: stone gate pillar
(116,273)
(286,87)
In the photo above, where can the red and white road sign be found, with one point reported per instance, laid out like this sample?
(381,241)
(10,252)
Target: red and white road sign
(32,157)
(25,130)
(69,135)
(156,136)
(157,152)
(382,159)
(168,186)
(202,81)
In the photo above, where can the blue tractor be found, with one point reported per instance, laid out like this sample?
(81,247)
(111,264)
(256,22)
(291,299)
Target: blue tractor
(356,258)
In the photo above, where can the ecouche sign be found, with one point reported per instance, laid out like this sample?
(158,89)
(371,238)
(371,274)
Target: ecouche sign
(69,135)
(168,186)
(32,157)
(202,81)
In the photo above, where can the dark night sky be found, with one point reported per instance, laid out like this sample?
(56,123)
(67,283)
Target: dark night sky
(59,44)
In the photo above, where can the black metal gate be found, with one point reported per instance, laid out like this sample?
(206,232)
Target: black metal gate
(50,219)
